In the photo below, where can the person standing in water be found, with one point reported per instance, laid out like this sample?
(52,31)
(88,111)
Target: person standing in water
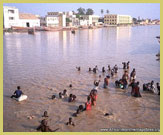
(106,81)
(136,90)
(125,78)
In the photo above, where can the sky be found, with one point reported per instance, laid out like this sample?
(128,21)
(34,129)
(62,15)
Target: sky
(144,10)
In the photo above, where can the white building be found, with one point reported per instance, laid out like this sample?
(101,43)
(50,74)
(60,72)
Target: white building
(12,17)
(114,19)
(55,19)
(28,20)
(89,20)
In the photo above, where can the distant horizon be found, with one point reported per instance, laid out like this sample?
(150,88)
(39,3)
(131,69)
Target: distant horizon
(150,10)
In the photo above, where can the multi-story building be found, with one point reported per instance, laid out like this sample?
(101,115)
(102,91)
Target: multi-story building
(12,17)
(114,19)
(89,20)
(55,19)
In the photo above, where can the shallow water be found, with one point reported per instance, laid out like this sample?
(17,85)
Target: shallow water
(44,64)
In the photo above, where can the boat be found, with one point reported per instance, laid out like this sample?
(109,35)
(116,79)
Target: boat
(73,31)
(31,31)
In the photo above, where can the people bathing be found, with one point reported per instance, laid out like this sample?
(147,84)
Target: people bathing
(128,66)
(78,68)
(125,78)
(93,96)
(115,69)
(43,127)
(96,84)
(88,103)
(109,68)
(106,81)
(151,87)
(103,69)
(70,122)
(17,93)
(119,84)
(158,88)
(133,75)
(71,98)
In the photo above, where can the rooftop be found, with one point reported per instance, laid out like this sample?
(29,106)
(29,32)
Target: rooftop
(27,16)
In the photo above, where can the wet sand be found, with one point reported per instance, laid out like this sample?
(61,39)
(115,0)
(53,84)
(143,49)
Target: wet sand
(44,64)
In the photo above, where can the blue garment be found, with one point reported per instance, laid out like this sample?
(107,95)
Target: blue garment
(18,93)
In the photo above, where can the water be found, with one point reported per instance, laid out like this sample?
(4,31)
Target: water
(44,64)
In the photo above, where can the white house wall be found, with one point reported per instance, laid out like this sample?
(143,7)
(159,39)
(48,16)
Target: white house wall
(32,23)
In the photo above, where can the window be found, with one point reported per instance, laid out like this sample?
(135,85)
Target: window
(11,18)
(11,11)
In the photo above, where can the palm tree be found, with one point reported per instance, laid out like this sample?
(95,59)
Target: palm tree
(102,11)
(107,11)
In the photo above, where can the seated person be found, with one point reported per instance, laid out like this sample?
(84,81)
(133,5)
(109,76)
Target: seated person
(17,93)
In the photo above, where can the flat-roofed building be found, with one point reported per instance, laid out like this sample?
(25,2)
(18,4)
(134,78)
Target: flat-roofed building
(29,20)
(89,20)
(114,19)
(55,19)
(12,17)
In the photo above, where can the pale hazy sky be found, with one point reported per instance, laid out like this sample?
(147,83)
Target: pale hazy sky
(144,10)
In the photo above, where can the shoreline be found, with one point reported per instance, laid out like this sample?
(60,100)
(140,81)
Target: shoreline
(54,29)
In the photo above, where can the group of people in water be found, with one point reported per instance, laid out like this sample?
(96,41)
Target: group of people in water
(123,83)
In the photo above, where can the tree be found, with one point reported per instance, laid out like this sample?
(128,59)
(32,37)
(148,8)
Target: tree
(102,11)
(81,11)
(134,20)
(68,20)
(107,11)
(89,11)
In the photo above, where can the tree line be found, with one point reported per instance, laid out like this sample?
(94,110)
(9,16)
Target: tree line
(89,11)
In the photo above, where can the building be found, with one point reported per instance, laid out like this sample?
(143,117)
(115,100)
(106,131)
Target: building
(55,19)
(12,17)
(28,20)
(114,19)
(89,20)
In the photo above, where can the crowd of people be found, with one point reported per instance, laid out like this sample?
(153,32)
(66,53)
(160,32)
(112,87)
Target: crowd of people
(123,83)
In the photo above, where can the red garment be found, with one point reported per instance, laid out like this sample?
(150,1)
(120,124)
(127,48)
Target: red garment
(88,105)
